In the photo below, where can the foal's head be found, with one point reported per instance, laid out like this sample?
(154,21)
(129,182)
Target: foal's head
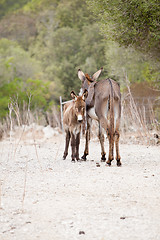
(79,105)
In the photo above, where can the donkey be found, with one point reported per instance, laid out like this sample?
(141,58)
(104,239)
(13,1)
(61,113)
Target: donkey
(73,118)
(104,105)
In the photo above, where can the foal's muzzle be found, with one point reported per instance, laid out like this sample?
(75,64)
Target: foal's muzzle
(79,118)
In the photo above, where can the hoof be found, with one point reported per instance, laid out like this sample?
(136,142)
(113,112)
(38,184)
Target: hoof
(119,164)
(83,158)
(73,160)
(108,163)
(103,158)
(78,160)
(64,158)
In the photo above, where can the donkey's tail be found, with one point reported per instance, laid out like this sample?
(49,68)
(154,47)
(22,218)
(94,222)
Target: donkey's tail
(111,99)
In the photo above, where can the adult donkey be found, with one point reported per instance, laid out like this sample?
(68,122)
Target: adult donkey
(104,105)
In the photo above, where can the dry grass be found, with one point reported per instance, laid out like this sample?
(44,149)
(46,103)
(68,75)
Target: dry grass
(23,116)
(139,118)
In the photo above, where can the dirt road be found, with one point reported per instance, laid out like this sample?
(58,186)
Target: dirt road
(44,197)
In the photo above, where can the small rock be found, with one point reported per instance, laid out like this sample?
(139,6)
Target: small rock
(81,232)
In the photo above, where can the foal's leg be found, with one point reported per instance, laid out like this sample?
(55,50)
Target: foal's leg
(86,151)
(68,135)
(73,146)
(77,145)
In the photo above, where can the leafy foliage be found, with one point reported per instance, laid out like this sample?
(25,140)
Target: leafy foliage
(19,75)
(44,42)
(73,14)
(72,43)
(127,61)
(7,6)
(15,62)
(132,22)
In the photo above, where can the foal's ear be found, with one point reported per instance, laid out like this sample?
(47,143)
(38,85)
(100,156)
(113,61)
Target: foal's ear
(85,94)
(81,75)
(97,74)
(73,95)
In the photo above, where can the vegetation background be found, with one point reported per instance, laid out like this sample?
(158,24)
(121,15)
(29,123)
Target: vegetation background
(44,42)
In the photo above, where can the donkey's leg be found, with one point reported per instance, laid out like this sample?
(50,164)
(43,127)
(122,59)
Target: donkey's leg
(77,145)
(111,146)
(105,125)
(101,139)
(68,135)
(102,112)
(73,146)
(86,151)
(118,158)
(117,114)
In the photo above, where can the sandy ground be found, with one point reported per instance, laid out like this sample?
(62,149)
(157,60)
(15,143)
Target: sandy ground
(44,197)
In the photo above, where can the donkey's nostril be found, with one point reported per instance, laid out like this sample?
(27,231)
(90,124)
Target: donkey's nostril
(79,121)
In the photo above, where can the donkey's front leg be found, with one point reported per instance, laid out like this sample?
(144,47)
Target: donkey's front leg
(73,146)
(86,151)
(68,135)
(77,145)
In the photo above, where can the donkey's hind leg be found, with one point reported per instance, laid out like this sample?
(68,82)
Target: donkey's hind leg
(101,139)
(110,135)
(117,117)
(111,147)
(118,158)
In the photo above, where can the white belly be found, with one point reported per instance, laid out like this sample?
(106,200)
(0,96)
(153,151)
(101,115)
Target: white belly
(92,113)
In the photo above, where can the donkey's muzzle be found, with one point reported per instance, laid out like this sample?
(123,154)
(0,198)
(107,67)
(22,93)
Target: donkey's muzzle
(80,121)
(79,118)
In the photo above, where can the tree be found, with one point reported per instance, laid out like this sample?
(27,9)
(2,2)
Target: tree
(130,23)
(7,6)
(20,75)
(15,62)
(122,61)
(64,45)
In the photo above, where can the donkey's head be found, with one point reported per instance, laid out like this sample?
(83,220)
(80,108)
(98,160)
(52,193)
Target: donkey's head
(86,79)
(79,105)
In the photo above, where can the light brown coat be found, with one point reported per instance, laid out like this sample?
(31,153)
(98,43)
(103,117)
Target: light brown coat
(74,113)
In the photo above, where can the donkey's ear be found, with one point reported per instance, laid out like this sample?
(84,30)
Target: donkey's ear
(85,94)
(73,95)
(96,74)
(81,75)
